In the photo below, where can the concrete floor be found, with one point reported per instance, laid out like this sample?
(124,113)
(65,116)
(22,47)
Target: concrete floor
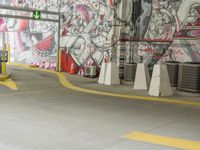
(43,115)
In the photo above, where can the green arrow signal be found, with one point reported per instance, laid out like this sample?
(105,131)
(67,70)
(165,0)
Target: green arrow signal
(36,14)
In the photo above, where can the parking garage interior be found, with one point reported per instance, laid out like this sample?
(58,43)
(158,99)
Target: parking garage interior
(99,74)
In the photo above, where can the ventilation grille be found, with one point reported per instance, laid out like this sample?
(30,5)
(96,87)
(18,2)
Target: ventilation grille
(129,72)
(189,77)
(172,69)
(90,71)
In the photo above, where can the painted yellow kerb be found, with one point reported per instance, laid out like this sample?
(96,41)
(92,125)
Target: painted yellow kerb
(164,141)
(63,80)
(10,84)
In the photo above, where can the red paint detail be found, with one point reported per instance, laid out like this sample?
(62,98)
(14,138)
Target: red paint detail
(65,31)
(73,68)
(197,22)
(20,26)
(111,3)
(102,17)
(157,57)
(198,10)
(83,10)
(149,50)
(45,44)
(145,40)
(2,21)
(3,26)
(23,25)
(105,59)
(68,64)
(188,34)
(187,37)
(71,65)
(64,60)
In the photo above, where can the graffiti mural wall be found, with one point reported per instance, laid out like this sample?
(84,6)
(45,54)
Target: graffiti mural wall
(160,30)
(86,30)
(149,31)
(34,42)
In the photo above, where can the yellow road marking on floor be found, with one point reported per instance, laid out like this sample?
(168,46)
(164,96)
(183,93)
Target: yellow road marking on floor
(164,141)
(10,84)
(63,80)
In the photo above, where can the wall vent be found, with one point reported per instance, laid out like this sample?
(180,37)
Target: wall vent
(90,71)
(189,77)
(172,68)
(129,72)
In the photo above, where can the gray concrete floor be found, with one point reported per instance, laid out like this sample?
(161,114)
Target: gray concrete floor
(43,115)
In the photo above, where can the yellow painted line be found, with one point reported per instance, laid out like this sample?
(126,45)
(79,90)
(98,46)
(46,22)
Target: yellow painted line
(164,141)
(19,65)
(10,84)
(63,80)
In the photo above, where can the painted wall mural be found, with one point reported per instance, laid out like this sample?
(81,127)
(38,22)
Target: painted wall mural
(149,30)
(86,30)
(34,42)
(37,45)
(172,32)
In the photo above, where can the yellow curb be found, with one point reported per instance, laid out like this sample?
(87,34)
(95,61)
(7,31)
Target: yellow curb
(4,77)
(33,66)
(63,80)
(22,65)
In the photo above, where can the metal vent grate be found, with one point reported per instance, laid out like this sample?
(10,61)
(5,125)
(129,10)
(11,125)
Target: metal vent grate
(129,72)
(189,77)
(90,71)
(172,68)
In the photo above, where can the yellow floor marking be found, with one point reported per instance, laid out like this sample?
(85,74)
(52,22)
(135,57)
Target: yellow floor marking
(10,84)
(63,80)
(164,141)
